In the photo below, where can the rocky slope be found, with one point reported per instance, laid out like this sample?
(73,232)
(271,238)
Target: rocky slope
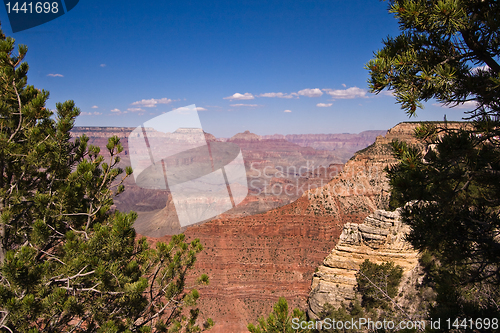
(253,260)
(278,173)
(256,259)
(380,238)
(344,145)
(279,168)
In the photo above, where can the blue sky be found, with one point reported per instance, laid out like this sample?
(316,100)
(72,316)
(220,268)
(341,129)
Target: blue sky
(287,67)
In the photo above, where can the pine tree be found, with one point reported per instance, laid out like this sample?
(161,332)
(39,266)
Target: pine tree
(378,283)
(449,50)
(279,320)
(68,263)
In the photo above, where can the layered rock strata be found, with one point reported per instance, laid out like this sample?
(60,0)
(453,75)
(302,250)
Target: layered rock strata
(344,145)
(381,238)
(278,172)
(361,188)
(253,260)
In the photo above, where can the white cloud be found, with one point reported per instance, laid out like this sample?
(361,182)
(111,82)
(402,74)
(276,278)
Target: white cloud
(55,75)
(182,110)
(349,93)
(199,108)
(95,107)
(279,95)
(324,105)
(466,105)
(115,110)
(387,93)
(343,85)
(287,111)
(484,68)
(152,103)
(90,113)
(239,96)
(102,65)
(250,105)
(135,109)
(316,92)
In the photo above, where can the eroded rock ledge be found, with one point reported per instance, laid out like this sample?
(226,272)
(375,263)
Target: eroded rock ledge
(380,238)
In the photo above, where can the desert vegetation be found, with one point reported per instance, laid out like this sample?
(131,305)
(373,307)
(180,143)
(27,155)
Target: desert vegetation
(448,192)
(68,262)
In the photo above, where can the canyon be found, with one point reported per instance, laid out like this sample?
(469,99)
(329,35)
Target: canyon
(344,144)
(254,260)
(278,172)
(271,246)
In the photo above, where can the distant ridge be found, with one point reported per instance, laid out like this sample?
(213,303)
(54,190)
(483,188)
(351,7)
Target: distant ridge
(345,144)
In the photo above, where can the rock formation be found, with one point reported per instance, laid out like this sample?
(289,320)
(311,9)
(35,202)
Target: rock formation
(278,172)
(253,260)
(344,145)
(361,188)
(381,238)
(245,136)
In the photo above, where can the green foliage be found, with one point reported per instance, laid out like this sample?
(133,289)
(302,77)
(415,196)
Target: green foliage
(378,283)
(449,50)
(454,197)
(432,57)
(68,263)
(350,313)
(279,320)
(426,131)
(377,287)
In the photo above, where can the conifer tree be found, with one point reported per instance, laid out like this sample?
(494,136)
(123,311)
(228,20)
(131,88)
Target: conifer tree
(280,320)
(449,50)
(68,263)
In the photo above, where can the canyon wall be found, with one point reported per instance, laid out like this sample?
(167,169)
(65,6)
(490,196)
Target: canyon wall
(380,238)
(252,260)
(273,167)
(344,145)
